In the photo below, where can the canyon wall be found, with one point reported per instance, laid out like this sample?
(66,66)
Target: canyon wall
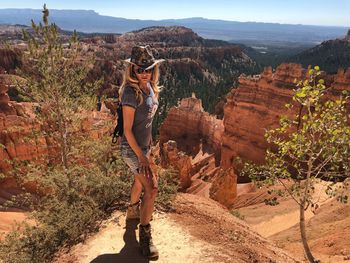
(189,125)
(198,145)
(258,103)
(23,138)
(190,141)
(9,60)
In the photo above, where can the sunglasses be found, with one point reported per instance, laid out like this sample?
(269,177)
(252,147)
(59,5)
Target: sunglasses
(140,70)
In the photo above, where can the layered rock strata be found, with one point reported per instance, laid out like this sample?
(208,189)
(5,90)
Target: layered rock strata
(5,107)
(205,145)
(258,103)
(189,125)
(200,176)
(190,141)
(23,138)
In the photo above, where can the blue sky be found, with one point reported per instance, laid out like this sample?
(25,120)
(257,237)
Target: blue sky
(311,12)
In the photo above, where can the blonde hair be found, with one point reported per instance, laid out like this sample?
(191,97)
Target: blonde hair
(129,79)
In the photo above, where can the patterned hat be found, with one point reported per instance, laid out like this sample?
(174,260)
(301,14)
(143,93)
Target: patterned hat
(142,56)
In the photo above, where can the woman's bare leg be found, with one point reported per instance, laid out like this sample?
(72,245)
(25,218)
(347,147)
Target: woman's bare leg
(147,205)
(147,247)
(136,190)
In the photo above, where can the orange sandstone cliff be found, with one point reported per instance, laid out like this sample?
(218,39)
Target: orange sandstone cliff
(258,103)
(22,137)
(190,141)
(199,145)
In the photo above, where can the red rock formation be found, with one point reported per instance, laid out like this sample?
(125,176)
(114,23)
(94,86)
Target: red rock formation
(224,186)
(200,176)
(257,104)
(189,125)
(194,150)
(9,60)
(5,107)
(18,141)
(22,138)
(180,162)
(254,106)
(341,80)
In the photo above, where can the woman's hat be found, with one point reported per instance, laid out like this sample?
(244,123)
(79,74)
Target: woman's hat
(142,56)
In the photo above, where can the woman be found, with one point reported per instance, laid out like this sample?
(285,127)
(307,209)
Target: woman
(139,98)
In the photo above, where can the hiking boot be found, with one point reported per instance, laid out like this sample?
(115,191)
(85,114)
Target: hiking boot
(147,247)
(133,211)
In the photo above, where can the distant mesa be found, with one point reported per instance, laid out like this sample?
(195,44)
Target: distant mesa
(89,21)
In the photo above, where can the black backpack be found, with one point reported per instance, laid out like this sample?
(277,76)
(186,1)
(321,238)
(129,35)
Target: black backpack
(119,128)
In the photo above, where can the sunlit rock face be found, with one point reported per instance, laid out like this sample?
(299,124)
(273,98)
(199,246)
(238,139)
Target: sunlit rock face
(189,125)
(23,138)
(202,145)
(258,103)
(190,141)
(199,175)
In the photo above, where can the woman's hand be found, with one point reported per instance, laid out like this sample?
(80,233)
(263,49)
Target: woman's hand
(144,167)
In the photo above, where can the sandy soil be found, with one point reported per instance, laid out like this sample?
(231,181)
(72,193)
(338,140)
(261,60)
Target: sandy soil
(326,228)
(9,219)
(200,230)
(328,233)
(118,242)
(268,221)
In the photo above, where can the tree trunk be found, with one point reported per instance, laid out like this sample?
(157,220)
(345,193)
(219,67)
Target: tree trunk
(303,234)
(63,137)
(302,215)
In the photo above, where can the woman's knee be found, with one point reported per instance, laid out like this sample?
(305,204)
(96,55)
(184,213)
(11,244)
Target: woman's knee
(151,193)
(147,185)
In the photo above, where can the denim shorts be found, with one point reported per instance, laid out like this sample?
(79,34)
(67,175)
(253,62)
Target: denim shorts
(130,157)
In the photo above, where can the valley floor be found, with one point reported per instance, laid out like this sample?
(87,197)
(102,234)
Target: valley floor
(327,229)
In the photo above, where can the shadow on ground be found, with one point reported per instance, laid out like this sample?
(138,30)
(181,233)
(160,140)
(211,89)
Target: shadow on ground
(130,253)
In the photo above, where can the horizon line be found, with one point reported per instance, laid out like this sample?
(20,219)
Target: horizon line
(184,18)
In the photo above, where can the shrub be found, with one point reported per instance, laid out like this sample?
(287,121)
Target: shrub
(79,198)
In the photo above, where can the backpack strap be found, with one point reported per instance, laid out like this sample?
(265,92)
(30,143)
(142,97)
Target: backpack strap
(119,129)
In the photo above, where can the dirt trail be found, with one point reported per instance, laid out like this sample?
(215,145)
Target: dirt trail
(117,242)
(199,230)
